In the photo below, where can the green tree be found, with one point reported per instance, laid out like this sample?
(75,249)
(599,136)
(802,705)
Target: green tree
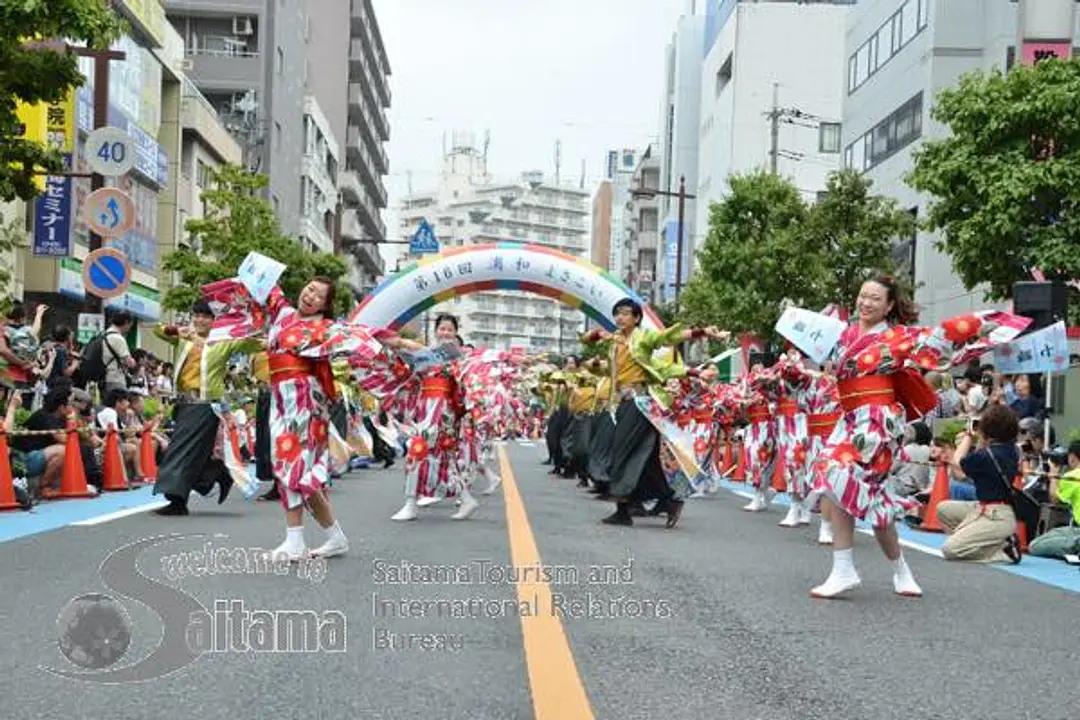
(239,220)
(851,231)
(752,259)
(1006,182)
(39,75)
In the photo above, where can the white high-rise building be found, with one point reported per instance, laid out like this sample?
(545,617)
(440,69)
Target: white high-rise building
(678,151)
(469,208)
(620,173)
(768,58)
(899,55)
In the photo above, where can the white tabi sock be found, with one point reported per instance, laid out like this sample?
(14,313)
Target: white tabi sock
(294,538)
(844,561)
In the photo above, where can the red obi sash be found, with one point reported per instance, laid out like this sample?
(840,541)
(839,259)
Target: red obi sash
(286,366)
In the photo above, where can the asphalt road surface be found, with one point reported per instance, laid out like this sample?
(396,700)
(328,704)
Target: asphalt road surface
(425,619)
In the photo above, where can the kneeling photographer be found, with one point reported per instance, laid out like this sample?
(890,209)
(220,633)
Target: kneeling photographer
(985,530)
(1064,489)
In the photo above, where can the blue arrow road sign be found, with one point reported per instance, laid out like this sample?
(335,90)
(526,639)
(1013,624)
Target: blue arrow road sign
(114,208)
(424,241)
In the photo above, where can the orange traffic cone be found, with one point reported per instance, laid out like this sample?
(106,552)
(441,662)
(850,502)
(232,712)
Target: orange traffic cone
(73,482)
(939,493)
(779,484)
(146,456)
(112,466)
(740,468)
(7,484)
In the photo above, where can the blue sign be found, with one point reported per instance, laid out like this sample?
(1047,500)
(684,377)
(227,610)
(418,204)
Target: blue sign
(424,241)
(106,273)
(54,216)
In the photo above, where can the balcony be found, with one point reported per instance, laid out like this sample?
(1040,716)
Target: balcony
(375,124)
(358,158)
(373,84)
(351,191)
(363,221)
(648,240)
(214,8)
(199,117)
(224,72)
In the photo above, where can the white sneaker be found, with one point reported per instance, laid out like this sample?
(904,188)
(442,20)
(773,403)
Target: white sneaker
(407,512)
(287,551)
(495,482)
(331,548)
(904,583)
(792,518)
(468,507)
(804,514)
(838,583)
(428,500)
(825,536)
(759,503)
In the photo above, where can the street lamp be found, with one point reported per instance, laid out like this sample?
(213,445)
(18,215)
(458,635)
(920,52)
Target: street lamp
(650,193)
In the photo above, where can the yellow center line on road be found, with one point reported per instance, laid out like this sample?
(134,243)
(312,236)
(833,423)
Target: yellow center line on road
(557,690)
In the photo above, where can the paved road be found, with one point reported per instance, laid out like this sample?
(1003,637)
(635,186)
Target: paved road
(709,621)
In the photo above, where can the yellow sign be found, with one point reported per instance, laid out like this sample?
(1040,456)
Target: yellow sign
(34,129)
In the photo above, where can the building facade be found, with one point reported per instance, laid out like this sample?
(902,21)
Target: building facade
(899,56)
(601,225)
(747,80)
(678,151)
(468,208)
(318,181)
(644,225)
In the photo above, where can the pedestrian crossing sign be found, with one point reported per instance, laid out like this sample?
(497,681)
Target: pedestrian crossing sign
(424,240)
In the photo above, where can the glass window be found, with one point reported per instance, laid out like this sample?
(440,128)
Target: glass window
(829,138)
(849,156)
(872,61)
(852,81)
(862,63)
(909,22)
(924,13)
(894,34)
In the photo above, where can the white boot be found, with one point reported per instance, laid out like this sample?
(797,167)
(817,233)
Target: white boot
(903,581)
(757,504)
(842,578)
(804,514)
(293,549)
(468,506)
(428,500)
(825,536)
(408,512)
(336,543)
(792,518)
(494,481)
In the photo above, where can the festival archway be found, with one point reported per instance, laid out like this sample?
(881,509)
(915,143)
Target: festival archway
(461,271)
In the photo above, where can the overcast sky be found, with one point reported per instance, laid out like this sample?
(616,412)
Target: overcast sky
(586,72)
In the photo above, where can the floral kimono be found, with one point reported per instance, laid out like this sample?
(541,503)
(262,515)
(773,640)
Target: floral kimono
(760,440)
(302,382)
(866,442)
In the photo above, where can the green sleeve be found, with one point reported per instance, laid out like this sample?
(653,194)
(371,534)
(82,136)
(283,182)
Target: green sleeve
(669,337)
(159,332)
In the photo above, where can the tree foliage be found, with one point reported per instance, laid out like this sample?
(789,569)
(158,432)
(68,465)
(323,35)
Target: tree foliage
(766,246)
(239,220)
(1006,182)
(37,75)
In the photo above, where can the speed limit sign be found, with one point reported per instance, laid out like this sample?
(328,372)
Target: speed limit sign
(109,152)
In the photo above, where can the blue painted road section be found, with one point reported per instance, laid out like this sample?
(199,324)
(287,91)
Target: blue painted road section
(57,514)
(1056,573)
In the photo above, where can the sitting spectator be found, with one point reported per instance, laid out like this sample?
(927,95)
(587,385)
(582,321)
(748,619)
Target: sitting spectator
(117,404)
(913,477)
(1065,489)
(91,443)
(1032,443)
(985,530)
(42,456)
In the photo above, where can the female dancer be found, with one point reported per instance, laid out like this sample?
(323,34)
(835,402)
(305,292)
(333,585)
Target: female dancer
(300,344)
(874,387)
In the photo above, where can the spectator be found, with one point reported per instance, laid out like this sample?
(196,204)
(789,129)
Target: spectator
(42,456)
(65,361)
(913,477)
(20,346)
(973,372)
(114,415)
(117,357)
(1032,444)
(1027,404)
(948,398)
(1065,489)
(164,384)
(985,530)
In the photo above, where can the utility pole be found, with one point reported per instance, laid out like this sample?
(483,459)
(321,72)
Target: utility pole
(774,141)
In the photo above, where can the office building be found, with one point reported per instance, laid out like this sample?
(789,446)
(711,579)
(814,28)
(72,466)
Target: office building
(643,225)
(619,171)
(601,225)
(468,207)
(899,55)
(765,60)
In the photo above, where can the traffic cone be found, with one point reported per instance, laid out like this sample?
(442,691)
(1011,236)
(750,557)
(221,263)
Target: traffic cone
(112,465)
(740,468)
(146,456)
(938,494)
(73,482)
(7,482)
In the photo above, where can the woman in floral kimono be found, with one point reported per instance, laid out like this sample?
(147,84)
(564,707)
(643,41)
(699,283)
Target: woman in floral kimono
(301,341)
(763,393)
(876,387)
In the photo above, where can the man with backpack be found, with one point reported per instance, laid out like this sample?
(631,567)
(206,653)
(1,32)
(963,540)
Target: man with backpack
(106,358)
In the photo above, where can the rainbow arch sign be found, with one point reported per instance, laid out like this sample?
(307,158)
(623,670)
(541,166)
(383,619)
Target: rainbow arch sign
(461,271)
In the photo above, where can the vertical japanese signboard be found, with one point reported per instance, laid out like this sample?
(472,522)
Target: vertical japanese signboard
(54,210)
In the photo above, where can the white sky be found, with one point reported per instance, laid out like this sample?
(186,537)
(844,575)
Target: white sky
(586,72)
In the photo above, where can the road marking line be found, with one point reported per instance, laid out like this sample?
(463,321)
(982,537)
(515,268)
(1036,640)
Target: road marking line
(121,513)
(557,690)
